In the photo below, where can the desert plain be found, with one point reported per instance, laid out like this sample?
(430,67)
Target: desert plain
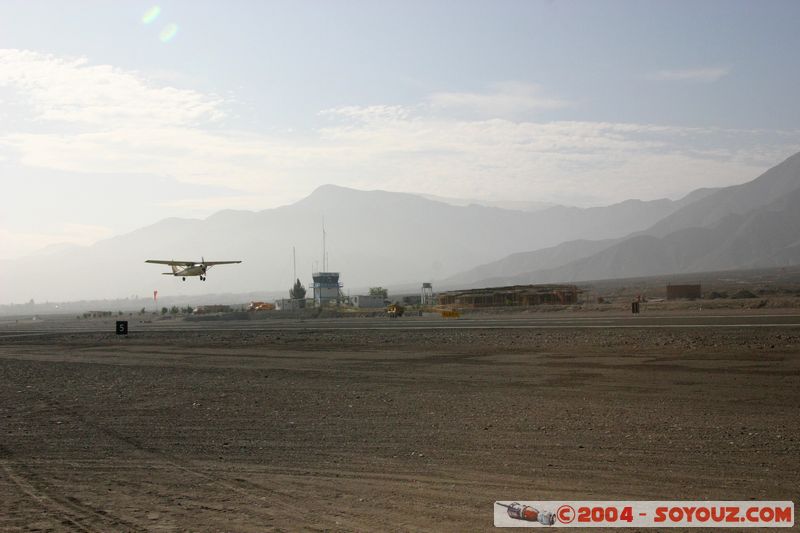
(372,424)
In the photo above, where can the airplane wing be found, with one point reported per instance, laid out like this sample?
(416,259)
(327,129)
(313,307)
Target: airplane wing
(172,263)
(211,263)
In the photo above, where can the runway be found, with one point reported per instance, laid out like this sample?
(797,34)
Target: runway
(9,328)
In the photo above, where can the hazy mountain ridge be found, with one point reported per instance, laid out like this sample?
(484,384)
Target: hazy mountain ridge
(518,205)
(518,267)
(779,180)
(373,238)
(752,225)
(761,238)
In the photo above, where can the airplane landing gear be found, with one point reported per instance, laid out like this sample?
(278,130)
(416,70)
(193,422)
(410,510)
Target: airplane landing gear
(202,278)
(184,279)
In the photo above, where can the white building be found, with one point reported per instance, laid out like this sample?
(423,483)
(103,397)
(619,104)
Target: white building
(289,304)
(366,300)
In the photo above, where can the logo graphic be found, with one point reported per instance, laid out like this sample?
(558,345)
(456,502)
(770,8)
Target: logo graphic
(565,514)
(644,514)
(529,514)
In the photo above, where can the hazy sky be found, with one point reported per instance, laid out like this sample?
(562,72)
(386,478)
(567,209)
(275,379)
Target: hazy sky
(114,115)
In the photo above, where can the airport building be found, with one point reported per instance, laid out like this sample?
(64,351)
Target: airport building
(411,299)
(327,289)
(684,292)
(208,309)
(96,314)
(289,304)
(517,295)
(367,301)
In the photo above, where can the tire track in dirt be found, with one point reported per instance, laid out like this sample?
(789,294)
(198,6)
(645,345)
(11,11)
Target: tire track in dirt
(67,509)
(287,502)
(79,514)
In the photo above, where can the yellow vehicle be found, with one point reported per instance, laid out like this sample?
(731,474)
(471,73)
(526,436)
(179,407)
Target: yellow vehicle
(395,310)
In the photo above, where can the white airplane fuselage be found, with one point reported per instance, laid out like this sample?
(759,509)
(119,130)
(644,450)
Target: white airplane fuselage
(197,270)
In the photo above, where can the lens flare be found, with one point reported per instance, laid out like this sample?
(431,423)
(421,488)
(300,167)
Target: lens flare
(151,14)
(168,33)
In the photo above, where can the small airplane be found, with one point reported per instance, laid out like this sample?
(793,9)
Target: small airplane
(183,269)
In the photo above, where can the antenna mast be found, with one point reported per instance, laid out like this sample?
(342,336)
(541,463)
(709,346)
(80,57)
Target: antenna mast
(294,265)
(324,253)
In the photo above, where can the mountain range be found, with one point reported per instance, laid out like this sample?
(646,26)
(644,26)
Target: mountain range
(392,239)
(752,225)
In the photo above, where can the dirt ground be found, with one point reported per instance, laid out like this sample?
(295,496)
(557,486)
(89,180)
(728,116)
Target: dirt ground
(386,430)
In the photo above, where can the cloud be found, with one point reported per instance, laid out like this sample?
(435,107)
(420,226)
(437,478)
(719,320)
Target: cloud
(698,75)
(369,113)
(73,91)
(565,161)
(504,100)
(101,119)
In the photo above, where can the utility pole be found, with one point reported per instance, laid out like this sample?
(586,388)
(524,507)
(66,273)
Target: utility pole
(294,266)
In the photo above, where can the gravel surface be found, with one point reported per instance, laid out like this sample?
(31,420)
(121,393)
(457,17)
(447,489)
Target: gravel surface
(386,430)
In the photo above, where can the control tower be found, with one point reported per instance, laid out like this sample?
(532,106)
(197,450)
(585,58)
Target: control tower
(326,288)
(426,296)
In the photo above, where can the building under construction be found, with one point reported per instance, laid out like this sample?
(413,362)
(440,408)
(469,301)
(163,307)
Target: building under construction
(516,295)
(687,292)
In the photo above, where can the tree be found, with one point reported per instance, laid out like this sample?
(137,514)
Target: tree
(175,310)
(164,310)
(298,292)
(380,292)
